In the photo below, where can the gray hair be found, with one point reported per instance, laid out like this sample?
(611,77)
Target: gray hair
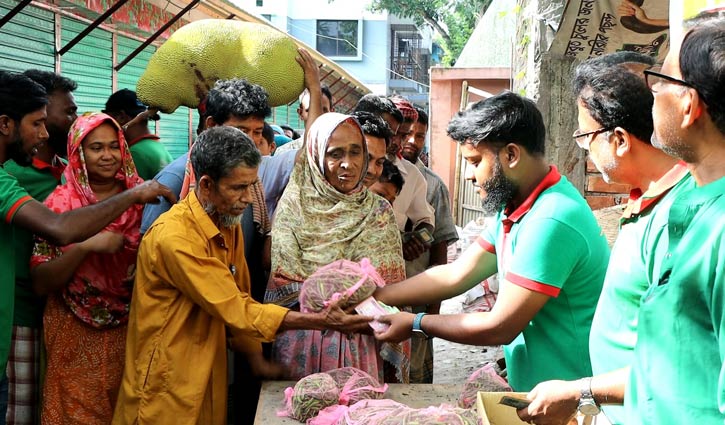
(219,150)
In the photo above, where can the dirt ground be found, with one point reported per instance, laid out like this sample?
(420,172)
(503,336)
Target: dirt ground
(454,363)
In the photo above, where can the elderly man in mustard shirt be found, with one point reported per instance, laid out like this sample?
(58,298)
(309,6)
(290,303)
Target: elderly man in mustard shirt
(192,296)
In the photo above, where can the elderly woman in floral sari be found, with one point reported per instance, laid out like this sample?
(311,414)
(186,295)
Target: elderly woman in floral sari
(88,283)
(324,215)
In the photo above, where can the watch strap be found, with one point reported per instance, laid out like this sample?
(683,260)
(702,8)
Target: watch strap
(416,324)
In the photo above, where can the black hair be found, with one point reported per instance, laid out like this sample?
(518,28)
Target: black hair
(20,95)
(268,133)
(590,67)
(501,119)
(327,93)
(422,116)
(615,97)
(374,125)
(391,174)
(702,63)
(51,81)
(378,105)
(295,134)
(219,150)
(239,98)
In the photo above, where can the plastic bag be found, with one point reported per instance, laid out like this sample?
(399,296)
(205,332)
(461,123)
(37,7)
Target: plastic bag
(389,412)
(342,278)
(483,379)
(310,395)
(355,385)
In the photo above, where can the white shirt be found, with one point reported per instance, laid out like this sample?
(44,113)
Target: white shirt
(411,203)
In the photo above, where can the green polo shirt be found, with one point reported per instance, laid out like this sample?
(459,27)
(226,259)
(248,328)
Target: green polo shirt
(12,197)
(551,244)
(614,328)
(39,180)
(149,155)
(678,373)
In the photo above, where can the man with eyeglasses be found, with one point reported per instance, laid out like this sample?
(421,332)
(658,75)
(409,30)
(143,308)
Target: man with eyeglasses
(615,128)
(678,373)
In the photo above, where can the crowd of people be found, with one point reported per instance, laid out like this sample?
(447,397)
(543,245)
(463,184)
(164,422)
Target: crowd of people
(148,281)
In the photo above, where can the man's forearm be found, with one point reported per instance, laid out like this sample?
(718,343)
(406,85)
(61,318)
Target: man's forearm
(468,328)
(609,388)
(433,285)
(72,226)
(296,320)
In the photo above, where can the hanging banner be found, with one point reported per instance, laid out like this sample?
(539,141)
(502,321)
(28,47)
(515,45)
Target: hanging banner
(591,28)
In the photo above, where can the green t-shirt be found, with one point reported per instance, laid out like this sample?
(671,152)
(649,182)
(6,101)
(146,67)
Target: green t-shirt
(678,374)
(556,248)
(39,183)
(150,157)
(12,197)
(614,328)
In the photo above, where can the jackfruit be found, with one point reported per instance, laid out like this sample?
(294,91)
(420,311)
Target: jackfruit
(187,65)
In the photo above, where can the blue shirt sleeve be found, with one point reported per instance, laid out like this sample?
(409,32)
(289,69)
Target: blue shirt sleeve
(172,176)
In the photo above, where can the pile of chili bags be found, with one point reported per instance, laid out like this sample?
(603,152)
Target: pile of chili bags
(388,412)
(342,386)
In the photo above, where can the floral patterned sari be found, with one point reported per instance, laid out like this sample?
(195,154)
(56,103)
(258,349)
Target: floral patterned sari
(84,325)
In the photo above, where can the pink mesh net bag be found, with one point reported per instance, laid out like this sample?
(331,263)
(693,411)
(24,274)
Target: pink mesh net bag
(342,278)
(389,412)
(310,395)
(355,385)
(484,379)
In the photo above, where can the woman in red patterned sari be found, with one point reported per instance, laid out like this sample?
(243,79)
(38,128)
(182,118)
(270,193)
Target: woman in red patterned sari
(88,283)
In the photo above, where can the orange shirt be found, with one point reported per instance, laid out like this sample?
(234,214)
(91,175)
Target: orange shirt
(192,286)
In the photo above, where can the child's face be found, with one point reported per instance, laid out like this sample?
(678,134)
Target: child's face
(386,190)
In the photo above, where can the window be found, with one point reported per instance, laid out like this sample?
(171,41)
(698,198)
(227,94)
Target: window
(340,39)
(260,3)
(267,16)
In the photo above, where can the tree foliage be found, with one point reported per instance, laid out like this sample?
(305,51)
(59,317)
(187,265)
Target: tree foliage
(453,20)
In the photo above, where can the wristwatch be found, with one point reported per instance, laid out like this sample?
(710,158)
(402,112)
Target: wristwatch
(587,405)
(416,325)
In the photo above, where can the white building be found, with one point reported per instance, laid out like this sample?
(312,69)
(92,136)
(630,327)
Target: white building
(387,54)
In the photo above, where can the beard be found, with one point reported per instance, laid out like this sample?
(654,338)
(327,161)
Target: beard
(673,145)
(17,153)
(499,191)
(225,220)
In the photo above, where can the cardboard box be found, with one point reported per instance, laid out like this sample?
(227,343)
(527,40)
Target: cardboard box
(492,412)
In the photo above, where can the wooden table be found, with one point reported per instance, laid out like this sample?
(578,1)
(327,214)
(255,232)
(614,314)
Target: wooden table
(271,398)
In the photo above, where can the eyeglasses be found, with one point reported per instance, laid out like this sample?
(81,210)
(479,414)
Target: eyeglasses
(583,140)
(654,79)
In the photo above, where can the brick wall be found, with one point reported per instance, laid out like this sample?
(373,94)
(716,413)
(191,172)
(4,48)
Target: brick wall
(600,194)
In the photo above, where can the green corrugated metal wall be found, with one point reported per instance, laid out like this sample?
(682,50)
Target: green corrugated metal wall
(28,40)
(89,63)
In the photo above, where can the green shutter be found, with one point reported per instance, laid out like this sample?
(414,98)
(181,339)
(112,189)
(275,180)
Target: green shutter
(89,63)
(174,131)
(287,114)
(127,77)
(27,40)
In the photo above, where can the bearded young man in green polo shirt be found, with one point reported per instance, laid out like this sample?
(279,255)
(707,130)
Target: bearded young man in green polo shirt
(22,133)
(611,95)
(547,249)
(39,179)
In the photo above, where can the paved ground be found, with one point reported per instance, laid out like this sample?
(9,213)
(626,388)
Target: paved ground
(454,363)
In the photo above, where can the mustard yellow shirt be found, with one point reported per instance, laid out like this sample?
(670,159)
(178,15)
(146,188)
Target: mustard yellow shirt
(192,286)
